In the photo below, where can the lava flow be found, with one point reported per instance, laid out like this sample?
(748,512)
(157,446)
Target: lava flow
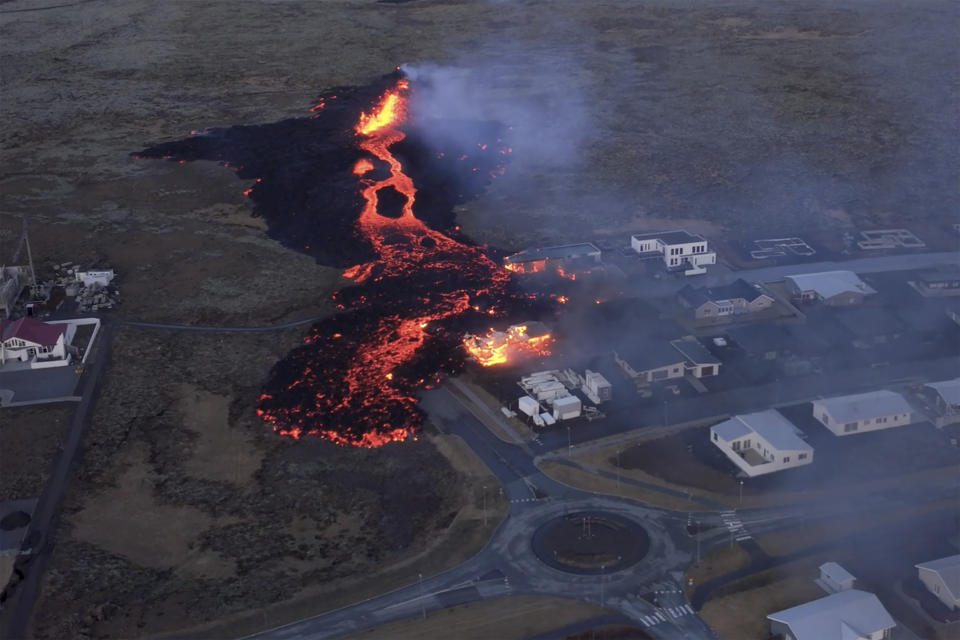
(372,193)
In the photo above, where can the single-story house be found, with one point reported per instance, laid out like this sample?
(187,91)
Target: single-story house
(26,339)
(942,579)
(847,615)
(737,298)
(834,578)
(845,415)
(655,361)
(946,395)
(762,341)
(944,281)
(697,360)
(761,443)
(832,288)
(537,259)
(650,362)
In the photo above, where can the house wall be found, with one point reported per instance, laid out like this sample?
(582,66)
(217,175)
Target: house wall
(705,370)
(778,629)
(677,255)
(668,372)
(873,423)
(777,460)
(934,584)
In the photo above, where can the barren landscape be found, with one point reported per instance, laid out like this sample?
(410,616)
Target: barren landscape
(187,515)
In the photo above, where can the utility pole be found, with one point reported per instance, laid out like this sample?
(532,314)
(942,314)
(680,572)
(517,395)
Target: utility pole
(618,469)
(602,578)
(698,542)
(666,414)
(484,505)
(569,443)
(423,602)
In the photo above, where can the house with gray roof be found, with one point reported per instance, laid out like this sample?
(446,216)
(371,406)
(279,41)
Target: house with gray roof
(832,288)
(942,578)
(761,443)
(649,361)
(946,395)
(846,415)
(725,302)
(848,615)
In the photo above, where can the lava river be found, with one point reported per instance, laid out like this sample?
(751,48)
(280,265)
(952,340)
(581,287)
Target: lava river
(414,292)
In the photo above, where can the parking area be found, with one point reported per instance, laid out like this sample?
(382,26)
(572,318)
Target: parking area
(36,386)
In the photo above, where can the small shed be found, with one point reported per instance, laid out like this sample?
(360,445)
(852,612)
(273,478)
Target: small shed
(567,408)
(834,578)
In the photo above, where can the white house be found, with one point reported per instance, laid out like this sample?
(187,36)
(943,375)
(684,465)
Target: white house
(847,615)
(760,443)
(942,579)
(832,288)
(947,394)
(27,339)
(678,249)
(834,578)
(861,412)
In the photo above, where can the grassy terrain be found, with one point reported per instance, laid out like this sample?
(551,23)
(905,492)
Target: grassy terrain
(511,618)
(29,440)
(718,561)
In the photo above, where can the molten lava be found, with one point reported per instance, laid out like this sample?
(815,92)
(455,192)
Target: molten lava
(500,347)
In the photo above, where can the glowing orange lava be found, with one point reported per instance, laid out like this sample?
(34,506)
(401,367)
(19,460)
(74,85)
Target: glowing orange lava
(499,347)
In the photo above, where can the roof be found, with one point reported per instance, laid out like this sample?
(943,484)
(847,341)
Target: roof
(769,425)
(760,338)
(949,571)
(739,288)
(564,251)
(865,405)
(949,390)
(31,330)
(692,350)
(828,284)
(841,616)
(835,572)
(944,273)
(874,321)
(678,236)
(650,355)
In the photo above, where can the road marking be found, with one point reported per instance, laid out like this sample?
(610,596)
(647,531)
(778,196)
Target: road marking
(660,617)
(743,537)
(647,621)
(688,608)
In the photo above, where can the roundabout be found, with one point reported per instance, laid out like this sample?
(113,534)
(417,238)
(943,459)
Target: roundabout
(590,542)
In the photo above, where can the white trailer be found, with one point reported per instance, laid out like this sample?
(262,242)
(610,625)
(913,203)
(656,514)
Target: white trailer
(596,387)
(567,408)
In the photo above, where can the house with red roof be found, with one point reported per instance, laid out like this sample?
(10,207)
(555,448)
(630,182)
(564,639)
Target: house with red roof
(30,340)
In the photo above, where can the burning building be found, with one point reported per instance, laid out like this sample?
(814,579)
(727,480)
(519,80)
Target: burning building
(566,260)
(499,347)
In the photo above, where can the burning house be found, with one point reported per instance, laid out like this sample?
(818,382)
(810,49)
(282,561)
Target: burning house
(499,347)
(566,260)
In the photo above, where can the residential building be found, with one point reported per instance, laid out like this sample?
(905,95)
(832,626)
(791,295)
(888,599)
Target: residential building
(655,360)
(735,299)
(577,256)
(946,396)
(847,615)
(697,360)
(650,362)
(942,579)
(678,250)
(27,339)
(832,288)
(761,443)
(943,281)
(834,578)
(846,415)
(761,341)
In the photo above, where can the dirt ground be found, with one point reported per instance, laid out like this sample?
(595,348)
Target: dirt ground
(196,513)
(506,618)
(29,440)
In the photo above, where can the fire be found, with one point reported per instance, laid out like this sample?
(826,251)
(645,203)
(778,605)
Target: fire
(363,166)
(366,395)
(499,347)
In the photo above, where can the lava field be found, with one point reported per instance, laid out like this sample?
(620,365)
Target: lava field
(363,184)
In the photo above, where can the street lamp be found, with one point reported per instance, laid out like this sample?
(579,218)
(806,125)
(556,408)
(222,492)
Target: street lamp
(666,413)
(569,443)
(484,505)
(423,603)
(698,542)
(741,493)
(618,469)
(602,576)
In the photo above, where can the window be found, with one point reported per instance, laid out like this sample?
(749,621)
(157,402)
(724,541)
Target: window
(786,458)
(715,438)
(802,456)
(825,419)
(850,426)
